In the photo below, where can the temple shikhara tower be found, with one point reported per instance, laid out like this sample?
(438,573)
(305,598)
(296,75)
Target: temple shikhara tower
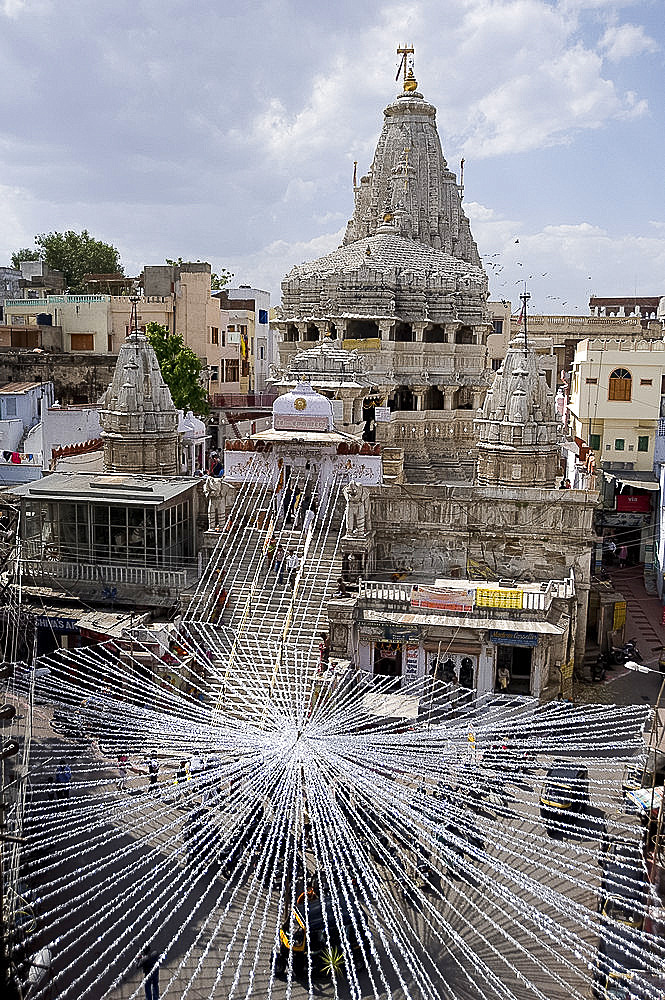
(139,420)
(407,291)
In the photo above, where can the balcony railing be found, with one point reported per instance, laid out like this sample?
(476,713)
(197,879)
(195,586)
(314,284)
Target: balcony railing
(532,600)
(242,401)
(143,576)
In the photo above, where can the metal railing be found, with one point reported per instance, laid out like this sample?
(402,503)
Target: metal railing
(532,600)
(145,576)
(241,401)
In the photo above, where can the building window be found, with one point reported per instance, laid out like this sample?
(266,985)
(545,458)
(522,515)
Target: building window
(497,326)
(263,315)
(245,369)
(619,444)
(10,407)
(643,442)
(109,343)
(621,382)
(83,341)
(214,374)
(594,441)
(232,371)
(232,327)
(214,335)
(592,381)
(496,364)
(223,338)
(262,353)
(646,381)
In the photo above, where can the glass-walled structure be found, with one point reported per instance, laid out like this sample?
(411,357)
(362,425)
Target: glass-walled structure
(120,529)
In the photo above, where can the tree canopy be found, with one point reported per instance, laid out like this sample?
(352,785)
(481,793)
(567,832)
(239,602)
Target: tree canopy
(217,281)
(75,254)
(181,369)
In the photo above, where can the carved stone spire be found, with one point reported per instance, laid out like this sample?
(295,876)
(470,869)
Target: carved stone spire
(518,433)
(138,418)
(409,190)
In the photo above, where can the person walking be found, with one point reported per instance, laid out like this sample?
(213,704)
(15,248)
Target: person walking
(270,554)
(292,566)
(150,968)
(308,520)
(123,761)
(153,773)
(278,563)
(182,776)
(63,780)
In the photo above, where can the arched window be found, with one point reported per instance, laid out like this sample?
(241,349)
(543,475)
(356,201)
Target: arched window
(621,382)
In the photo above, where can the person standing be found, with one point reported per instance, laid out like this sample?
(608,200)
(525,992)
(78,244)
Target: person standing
(153,773)
(278,564)
(308,520)
(270,553)
(623,556)
(150,969)
(292,565)
(63,780)
(123,761)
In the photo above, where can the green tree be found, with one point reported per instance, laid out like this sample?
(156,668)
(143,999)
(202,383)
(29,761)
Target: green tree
(75,254)
(25,254)
(180,368)
(217,281)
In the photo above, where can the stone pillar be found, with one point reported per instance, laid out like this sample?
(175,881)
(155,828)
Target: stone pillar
(448,396)
(478,397)
(418,329)
(419,396)
(385,326)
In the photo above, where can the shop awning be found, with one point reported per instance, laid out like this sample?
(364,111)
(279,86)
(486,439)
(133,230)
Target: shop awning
(464,621)
(635,480)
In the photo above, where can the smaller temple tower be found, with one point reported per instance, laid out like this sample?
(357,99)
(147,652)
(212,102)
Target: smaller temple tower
(139,420)
(518,433)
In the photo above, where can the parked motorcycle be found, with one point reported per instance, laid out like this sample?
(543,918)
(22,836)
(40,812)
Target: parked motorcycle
(629,651)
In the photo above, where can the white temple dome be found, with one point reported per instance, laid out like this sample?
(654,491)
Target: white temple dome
(302,408)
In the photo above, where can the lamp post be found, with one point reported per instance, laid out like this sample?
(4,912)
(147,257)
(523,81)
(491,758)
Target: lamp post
(655,737)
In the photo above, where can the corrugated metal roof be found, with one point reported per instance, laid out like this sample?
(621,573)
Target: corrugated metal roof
(19,387)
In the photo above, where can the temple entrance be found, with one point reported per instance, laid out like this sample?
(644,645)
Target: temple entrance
(516,660)
(388,661)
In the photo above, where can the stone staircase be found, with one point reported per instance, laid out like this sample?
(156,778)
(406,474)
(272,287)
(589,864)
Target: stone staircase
(263,621)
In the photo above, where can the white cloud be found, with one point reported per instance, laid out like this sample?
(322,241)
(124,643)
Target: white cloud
(266,267)
(566,263)
(626,40)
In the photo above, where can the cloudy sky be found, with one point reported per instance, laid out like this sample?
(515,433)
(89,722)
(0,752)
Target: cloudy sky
(227,132)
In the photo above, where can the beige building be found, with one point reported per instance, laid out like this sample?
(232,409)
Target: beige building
(615,400)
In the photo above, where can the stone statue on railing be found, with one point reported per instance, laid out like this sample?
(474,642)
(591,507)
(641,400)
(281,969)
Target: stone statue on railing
(357,510)
(213,489)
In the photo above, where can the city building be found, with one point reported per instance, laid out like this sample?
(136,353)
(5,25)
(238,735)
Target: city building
(22,405)
(73,339)
(617,395)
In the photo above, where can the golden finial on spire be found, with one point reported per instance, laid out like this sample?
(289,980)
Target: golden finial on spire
(410,82)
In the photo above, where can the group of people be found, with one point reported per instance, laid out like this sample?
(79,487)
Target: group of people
(282,563)
(616,553)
